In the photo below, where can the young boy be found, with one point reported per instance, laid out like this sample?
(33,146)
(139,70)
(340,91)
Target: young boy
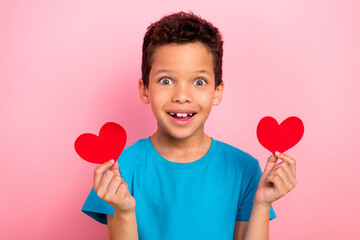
(182,183)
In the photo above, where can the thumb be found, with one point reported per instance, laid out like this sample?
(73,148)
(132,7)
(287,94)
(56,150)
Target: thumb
(115,165)
(115,168)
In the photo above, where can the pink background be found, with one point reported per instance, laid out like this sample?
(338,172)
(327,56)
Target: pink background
(67,67)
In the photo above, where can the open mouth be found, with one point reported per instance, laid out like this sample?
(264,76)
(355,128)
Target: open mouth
(181,115)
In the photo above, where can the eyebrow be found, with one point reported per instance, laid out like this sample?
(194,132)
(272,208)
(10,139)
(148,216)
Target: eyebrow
(168,71)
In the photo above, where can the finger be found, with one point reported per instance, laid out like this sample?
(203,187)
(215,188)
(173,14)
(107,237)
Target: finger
(289,160)
(104,183)
(99,171)
(286,167)
(277,181)
(112,188)
(115,166)
(270,164)
(115,169)
(122,190)
(285,177)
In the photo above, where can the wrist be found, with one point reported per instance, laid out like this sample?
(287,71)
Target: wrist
(125,214)
(258,204)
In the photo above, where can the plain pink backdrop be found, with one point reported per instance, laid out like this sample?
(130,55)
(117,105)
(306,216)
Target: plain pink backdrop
(67,67)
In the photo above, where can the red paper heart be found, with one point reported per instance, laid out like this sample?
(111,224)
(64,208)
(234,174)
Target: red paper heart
(109,144)
(275,137)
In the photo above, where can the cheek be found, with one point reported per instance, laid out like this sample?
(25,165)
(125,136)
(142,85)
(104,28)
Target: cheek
(205,99)
(158,98)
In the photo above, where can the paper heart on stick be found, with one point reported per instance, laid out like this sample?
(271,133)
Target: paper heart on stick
(99,149)
(275,137)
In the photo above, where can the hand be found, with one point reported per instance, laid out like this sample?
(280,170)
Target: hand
(111,187)
(276,180)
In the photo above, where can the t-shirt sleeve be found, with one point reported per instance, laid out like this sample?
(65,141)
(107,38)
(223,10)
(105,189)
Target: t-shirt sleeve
(97,208)
(251,180)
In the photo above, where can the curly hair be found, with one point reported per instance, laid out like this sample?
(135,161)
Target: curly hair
(182,28)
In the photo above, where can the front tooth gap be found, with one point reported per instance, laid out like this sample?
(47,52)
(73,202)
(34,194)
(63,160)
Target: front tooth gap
(181,114)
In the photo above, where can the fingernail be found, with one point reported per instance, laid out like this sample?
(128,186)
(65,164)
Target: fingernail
(112,161)
(277,153)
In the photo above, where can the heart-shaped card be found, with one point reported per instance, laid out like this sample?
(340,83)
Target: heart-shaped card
(99,149)
(275,137)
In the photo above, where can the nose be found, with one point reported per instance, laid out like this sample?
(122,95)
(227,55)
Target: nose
(182,94)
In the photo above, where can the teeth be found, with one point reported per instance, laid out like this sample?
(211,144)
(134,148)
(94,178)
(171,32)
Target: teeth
(182,114)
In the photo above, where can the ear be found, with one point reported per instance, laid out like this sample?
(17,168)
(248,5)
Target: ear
(144,92)
(218,94)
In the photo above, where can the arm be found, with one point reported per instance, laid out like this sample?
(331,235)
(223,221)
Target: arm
(275,182)
(122,226)
(110,187)
(258,223)
(240,229)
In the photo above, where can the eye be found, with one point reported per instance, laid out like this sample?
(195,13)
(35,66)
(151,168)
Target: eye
(200,82)
(165,81)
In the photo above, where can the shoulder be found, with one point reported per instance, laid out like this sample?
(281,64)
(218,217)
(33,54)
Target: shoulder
(236,154)
(131,153)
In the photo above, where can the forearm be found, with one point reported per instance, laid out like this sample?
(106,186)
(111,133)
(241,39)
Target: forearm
(258,228)
(123,226)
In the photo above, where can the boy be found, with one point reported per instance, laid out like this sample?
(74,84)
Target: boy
(183,183)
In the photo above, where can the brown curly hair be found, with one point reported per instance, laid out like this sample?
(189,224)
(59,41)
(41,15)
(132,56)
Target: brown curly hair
(182,28)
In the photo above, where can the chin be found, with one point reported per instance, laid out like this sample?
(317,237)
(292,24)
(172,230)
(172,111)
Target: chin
(182,134)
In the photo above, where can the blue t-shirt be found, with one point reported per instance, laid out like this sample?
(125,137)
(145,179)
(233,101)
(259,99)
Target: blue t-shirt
(197,200)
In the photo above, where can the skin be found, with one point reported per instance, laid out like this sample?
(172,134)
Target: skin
(276,181)
(182,77)
(112,188)
(185,67)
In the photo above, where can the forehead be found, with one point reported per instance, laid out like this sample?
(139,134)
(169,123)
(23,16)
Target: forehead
(187,57)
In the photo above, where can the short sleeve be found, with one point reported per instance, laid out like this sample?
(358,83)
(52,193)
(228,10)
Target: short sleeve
(97,208)
(251,180)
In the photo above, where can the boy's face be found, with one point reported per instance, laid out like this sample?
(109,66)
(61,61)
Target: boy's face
(181,89)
